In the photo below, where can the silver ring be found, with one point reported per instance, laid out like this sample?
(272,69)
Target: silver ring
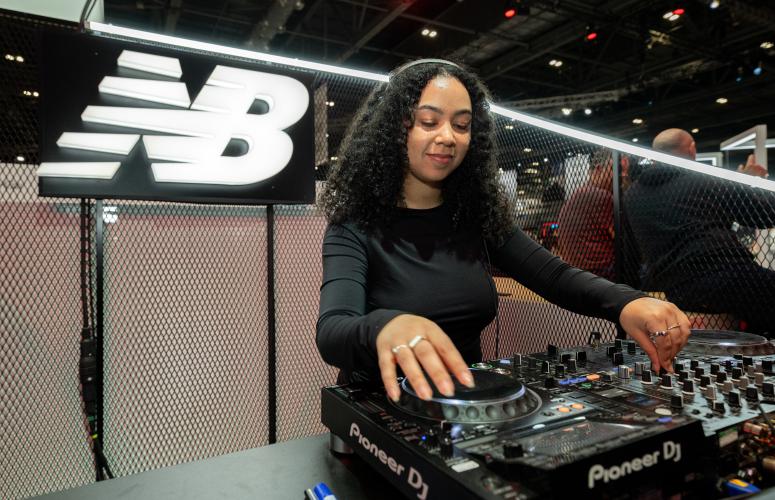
(653,336)
(413,343)
(398,348)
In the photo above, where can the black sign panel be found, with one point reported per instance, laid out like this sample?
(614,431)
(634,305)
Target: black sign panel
(123,120)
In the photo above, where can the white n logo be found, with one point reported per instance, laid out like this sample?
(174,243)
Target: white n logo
(218,114)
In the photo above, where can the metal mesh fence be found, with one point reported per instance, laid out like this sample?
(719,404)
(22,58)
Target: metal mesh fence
(187,335)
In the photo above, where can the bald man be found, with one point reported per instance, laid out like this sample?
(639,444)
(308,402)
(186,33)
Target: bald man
(683,223)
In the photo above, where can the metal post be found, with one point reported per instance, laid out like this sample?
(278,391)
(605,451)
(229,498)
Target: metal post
(99,240)
(271,337)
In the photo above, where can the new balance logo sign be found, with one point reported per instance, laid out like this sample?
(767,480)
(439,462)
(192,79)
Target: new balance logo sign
(191,141)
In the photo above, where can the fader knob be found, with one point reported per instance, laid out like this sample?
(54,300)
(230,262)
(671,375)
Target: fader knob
(581,357)
(559,371)
(544,367)
(610,350)
(516,360)
(631,347)
(718,406)
(676,401)
(572,366)
(618,358)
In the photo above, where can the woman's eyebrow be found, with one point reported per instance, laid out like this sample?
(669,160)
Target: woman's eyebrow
(439,111)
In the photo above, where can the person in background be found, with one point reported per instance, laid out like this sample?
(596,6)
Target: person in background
(416,213)
(586,224)
(683,222)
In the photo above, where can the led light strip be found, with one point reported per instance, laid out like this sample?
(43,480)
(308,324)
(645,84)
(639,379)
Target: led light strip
(232,51)
(378,77)
(626,147)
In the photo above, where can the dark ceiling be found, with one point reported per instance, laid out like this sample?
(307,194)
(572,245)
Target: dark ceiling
(640,65)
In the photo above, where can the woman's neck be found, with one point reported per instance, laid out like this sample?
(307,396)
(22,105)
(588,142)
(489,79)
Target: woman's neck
(420,195)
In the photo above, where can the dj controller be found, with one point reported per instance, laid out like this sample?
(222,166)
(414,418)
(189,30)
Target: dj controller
(592,421)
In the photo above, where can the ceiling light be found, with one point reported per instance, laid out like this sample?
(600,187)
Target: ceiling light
(535,163)
(567,111)
(35,93)
(19,59)
(527,150)
(432,34)
(20,158)
(509,127)
(10,57)
(546,160)
(722,100)
(425,32)
(531,170)
(695,130)
(714,4)
(634,139)
(766,45)
(667,14)
(673,17)
(637,121)
(587,111)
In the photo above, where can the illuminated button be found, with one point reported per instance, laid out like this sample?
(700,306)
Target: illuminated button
(662,411)
(593,376)
(739,483)
(563,409)
(577,406)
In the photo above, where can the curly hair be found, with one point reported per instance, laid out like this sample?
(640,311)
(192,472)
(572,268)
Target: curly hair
(365,185)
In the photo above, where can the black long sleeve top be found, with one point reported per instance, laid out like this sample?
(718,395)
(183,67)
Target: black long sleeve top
(420,265)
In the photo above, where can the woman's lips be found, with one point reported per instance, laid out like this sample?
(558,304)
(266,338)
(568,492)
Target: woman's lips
(443,159)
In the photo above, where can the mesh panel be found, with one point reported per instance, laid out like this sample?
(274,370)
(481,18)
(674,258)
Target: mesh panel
(185,333)
(186,328)
(43,439)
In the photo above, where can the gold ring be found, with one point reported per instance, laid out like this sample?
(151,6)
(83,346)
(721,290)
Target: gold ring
(673,327)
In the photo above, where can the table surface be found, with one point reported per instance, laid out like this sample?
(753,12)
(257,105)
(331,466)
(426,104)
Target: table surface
(279,471)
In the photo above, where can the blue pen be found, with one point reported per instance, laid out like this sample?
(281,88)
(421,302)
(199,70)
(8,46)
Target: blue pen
(323,492)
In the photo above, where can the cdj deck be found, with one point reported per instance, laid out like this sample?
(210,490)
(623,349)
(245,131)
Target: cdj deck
(591,421)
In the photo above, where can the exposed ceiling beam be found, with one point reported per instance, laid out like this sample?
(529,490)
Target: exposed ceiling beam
(376,29)
(173,14)
(274,22)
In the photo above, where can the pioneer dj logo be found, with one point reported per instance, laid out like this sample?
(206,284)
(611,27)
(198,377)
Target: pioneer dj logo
(413,476)
(191,139)
(670,451)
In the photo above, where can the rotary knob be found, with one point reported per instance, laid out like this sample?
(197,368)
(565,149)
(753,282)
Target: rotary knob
(646,377)
(667,381)
(618,358)
(721,377)
(688,386)
(733,398)
(624,372)
(714,368)
(752,393)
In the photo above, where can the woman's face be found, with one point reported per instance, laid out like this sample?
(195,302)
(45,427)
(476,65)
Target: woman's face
(438,139)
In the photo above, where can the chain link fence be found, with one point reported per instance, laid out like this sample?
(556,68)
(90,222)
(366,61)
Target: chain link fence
(187,336)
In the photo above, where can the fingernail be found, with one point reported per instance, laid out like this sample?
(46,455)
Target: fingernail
(466,378)
(425,393)
(447,388)
(393,394)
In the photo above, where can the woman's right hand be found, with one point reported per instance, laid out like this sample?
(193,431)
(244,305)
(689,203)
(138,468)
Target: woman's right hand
(435,353)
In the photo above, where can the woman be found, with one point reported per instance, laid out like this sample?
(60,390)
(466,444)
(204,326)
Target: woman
(416,211)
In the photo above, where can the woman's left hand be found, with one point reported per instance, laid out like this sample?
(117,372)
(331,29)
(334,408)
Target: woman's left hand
(659,327)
